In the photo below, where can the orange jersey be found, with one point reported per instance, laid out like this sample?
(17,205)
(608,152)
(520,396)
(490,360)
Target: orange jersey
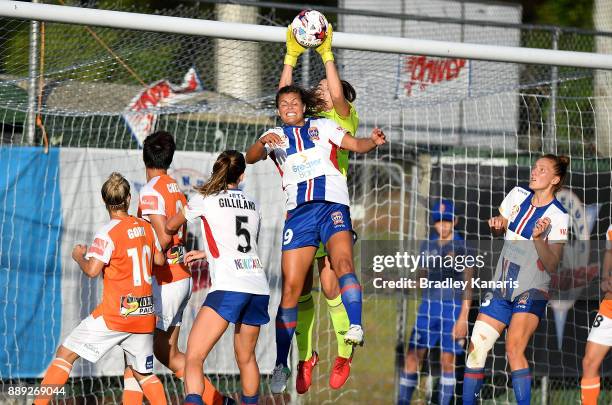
(162,196)
(127,247)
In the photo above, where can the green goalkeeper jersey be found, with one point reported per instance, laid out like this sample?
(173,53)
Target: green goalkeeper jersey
(350,124)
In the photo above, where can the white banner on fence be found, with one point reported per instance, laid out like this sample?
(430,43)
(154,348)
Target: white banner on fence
(82,172)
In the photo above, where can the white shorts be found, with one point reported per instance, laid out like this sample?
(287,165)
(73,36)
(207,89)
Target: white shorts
(170,301)
(92,339)
(601,331)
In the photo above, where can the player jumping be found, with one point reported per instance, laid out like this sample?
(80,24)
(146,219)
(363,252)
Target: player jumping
(337,96)
(534,225)
(317,202)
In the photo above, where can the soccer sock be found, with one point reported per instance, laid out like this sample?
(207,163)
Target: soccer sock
(210,396)
(153,390)
(447,388)
(57,374)
(193,399)
(350,291)
(472,383)
(132,393)
(249,400)
(407,384)
(589,389)
(341,323)
(305,323)
(286,321)
(521,381)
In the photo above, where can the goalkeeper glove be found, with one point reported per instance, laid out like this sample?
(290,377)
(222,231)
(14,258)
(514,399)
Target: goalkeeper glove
(294,50)
(325,49)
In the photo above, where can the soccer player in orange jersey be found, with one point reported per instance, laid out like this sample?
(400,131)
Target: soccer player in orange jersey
(600,337)
(123,250)
(161,199)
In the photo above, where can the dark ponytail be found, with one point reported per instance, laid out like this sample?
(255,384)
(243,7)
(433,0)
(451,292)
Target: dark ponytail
(227,169)
(349,91)
(560,163)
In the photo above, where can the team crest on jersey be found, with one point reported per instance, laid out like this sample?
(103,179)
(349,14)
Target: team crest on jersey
(148,202)
(313,133)
(131,306)
(514,212)
(337,218)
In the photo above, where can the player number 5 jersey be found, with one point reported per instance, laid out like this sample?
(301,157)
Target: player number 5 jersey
(230,224)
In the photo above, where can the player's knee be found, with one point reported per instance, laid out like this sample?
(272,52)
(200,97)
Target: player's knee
(482,340)
(513,351)
(590,366)
(291,290)
(343,265)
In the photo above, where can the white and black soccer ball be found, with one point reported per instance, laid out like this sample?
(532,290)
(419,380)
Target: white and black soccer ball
(309,28)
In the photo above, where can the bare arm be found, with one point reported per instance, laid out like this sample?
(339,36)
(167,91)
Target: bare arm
(175,223)
(159,258)
(159,224)
(606,275)
(286,78)
(549,253)
(334,85)
(91,267)
(256,152)
(498,225)
(363,145)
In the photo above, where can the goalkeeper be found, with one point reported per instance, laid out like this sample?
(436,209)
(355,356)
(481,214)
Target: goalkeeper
(337,96)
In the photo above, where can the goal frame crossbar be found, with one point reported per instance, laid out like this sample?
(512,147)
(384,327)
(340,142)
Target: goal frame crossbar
(262,33)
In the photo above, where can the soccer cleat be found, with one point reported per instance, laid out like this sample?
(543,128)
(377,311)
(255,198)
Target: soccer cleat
(340,372)
(280,375)
(304,373)
(354,335)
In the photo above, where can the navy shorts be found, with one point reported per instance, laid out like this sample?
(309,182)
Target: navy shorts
(533,301)
(313,223)
(239,307)
(434,326)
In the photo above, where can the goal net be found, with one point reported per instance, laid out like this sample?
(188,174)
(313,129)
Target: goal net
(457,129)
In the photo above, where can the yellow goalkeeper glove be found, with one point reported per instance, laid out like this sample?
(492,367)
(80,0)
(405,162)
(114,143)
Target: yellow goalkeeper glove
(325,49)
(294,50)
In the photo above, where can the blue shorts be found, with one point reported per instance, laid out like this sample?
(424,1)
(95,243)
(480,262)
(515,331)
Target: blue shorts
(533,301)
(434,326)
(239,307)
(315,222)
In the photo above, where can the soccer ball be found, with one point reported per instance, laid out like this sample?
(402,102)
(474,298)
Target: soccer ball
(309,28)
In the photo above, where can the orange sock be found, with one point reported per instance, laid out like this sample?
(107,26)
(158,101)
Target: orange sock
(57,374)
(589,388)
(132,393)
(153,390)
(210,396)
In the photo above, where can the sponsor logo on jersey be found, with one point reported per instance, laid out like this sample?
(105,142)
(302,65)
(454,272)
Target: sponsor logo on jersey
(132,306)
(249,263)
(98,246)
(514,212)
(148,202)
(313,133)
(149,362)
(337,218)
(523,299)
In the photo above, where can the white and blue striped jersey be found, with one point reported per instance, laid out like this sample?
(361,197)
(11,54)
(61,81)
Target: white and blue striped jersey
(519,260)
(307,161)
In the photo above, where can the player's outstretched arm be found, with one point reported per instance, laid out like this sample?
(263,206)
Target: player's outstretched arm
(175,223)
(194,255)
(91,267)
(159,224)
(364,145)
(334,85)
(294,50)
